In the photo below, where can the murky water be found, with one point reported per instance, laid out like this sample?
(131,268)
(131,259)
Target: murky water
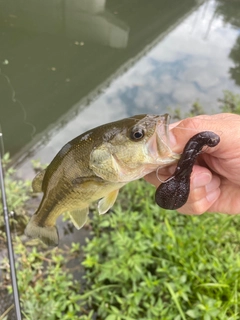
(69,65)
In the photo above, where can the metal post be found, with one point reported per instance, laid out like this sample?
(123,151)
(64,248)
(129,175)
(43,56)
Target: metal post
(9,241)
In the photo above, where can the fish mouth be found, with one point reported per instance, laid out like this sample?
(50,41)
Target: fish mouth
(167,118)
(162,131)
(159,144)
(163,141)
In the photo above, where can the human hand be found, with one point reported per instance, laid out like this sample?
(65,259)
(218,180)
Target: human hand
(215,181)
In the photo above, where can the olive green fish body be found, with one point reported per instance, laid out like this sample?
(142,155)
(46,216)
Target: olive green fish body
(96,165)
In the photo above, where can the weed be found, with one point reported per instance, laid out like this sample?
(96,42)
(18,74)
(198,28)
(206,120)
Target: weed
(163,265)
(17,192)
(46,284)
(230,102)
(37,165)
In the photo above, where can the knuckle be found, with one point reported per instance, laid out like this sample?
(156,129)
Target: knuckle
(193,208)
(197,208)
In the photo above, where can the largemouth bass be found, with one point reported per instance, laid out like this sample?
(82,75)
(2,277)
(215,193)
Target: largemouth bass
(95,165)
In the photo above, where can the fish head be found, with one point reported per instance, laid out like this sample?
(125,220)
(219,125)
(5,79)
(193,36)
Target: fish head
(132,148)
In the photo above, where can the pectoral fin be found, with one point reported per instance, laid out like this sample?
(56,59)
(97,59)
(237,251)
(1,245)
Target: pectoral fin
(107,202)
(79,217)
(37,181)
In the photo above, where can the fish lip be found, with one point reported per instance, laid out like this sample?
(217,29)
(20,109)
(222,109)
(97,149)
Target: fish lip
(163,130)
(163,137)
(166,127)
(158,145)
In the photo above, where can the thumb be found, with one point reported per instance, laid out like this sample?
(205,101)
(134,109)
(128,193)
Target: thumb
(182,131)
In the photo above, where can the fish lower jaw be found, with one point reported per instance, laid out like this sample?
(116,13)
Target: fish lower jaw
(164,162)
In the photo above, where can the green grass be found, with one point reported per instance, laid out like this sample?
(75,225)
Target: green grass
(142,263)
(163,265)
(45,281)
(17,193)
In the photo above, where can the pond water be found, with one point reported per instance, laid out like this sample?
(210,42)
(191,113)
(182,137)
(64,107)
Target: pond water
(69,65)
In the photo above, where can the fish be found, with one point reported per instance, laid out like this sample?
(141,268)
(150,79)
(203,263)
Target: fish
(94,166)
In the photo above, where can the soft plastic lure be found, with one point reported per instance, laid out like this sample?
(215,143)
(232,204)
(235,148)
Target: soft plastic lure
(173,193)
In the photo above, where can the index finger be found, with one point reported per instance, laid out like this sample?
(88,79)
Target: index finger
(221,124)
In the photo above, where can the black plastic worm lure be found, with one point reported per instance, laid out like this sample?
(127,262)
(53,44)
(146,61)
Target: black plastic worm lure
(173,193)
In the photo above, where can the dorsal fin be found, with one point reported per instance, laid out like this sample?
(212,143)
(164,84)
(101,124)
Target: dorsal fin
(37,181)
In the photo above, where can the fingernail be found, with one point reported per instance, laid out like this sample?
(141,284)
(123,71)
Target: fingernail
(201,180)
(212,196)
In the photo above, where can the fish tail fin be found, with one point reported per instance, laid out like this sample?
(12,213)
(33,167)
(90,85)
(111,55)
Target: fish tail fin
(48,234)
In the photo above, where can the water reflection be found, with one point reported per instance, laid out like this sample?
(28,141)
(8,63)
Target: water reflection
(76,19)
(56,53)
(230,11)
(78,64)
(191,63)
(235,56)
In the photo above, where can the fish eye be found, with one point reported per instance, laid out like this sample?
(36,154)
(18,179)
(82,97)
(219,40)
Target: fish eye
(137,134)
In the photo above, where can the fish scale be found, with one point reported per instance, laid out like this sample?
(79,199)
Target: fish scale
(94,166)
